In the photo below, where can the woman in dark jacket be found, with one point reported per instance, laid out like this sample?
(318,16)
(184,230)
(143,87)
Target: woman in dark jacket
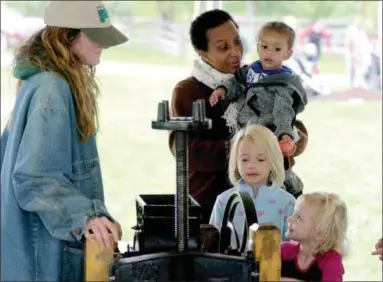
(215,37)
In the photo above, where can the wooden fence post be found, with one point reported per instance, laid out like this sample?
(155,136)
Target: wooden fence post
(267,250)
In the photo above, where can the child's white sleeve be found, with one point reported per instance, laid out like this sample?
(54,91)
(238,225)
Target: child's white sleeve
(217,213)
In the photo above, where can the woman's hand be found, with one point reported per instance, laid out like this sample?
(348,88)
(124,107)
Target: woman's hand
(218,94)
(99,229)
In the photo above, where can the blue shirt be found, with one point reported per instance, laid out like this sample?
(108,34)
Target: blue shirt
(273,205)
(51,183)
(257,72)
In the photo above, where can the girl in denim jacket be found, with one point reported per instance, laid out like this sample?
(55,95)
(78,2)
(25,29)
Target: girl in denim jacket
(256,167)
(51,186)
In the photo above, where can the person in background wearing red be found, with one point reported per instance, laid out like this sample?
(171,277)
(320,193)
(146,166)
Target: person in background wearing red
(314,34)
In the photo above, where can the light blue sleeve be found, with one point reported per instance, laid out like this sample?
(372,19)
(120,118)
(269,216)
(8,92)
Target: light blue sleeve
(41,171)
(216,217)
(289,210)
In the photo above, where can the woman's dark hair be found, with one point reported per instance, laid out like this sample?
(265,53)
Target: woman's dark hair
(203,23)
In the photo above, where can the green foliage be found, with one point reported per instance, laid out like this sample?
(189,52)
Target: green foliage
(329,63)
(307,9)
(183,10)
(120,7)
(28,8)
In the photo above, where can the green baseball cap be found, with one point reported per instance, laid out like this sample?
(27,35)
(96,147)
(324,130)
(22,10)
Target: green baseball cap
(91,17)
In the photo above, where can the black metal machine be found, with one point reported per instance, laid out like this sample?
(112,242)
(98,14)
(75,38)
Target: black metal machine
(167,244)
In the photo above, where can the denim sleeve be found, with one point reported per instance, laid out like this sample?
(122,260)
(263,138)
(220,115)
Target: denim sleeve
(4,140)
(41,175)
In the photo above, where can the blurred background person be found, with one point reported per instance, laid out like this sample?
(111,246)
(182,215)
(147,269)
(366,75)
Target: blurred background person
(358,51)
(313,37)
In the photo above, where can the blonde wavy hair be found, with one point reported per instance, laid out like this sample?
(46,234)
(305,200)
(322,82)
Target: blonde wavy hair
(330,221)
(50,50)
(266,140)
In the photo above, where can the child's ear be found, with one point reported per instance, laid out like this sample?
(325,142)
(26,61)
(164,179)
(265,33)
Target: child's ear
(289,54)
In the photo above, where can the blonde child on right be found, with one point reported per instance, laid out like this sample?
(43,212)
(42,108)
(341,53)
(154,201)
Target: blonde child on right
(318,230)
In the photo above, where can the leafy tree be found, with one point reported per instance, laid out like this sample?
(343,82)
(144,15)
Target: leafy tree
(28,8)
(183,10)
(307,9)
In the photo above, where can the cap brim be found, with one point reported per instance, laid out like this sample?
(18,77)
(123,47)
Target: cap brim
(105,37)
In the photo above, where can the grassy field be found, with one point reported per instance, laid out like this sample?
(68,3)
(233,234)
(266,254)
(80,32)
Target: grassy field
(134,53)
(344,155)
(329,63)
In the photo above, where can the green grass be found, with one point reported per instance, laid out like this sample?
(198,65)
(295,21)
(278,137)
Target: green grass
(133,53)
(139,54)
(344,155)
(330,63)
(149,9)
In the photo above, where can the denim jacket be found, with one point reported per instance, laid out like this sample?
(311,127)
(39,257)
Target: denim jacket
(50,184)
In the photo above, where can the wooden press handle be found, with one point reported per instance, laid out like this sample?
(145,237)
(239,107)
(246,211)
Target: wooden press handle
(267,250)
(98,260)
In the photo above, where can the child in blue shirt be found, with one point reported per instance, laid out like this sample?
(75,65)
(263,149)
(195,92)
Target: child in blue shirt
(256,167)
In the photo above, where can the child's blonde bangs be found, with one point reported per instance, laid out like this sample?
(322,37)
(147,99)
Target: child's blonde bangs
(265,140)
